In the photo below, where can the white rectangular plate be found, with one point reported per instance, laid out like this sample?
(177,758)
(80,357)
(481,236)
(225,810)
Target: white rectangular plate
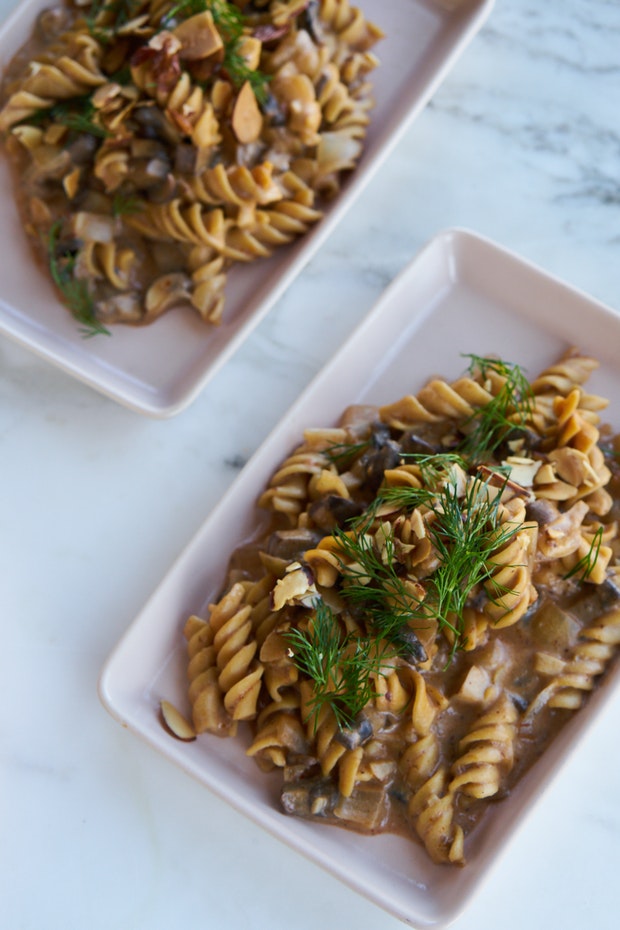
(461,294)
(159,369)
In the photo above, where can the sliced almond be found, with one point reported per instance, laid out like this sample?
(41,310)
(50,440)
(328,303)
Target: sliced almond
(199,37)
(247,119)
(176,723)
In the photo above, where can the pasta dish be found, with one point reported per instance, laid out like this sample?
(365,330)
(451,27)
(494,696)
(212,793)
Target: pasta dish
(156,143)
(433,592)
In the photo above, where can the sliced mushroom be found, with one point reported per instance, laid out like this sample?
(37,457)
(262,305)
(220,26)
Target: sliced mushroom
(596,601)
(310,21)
(411,648)
(313,797)
(414,444)
(542,511)
(383,454)
(149,172)
(333,510)
(154,124)
(357,735)
(291,544)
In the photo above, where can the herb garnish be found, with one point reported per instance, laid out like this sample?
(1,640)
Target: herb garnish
(77,114)
(465,532)
(507,410)
(76,296)
(585,566)
(341,453)
(341,667)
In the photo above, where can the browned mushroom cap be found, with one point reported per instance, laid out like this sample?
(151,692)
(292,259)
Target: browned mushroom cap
(247,119)
(334,510)
(291,544)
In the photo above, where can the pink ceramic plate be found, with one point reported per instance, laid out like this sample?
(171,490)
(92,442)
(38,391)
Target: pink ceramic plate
(158,370)
(461,294)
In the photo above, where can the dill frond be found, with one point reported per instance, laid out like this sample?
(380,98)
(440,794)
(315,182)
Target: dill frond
(510,408)
(75,294)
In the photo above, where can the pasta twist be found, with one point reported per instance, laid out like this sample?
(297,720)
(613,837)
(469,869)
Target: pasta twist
(279,732)
(509,586)
(437,400)
(287,492)
(432,810)
(487,752)
(222,655)
(71,72)
(591,656)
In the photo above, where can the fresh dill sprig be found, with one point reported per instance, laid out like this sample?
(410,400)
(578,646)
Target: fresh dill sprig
(76,296)
(77,114)
(372,583)
(341,453)
(465,531)
(507,410)
(341,667)
(585,566)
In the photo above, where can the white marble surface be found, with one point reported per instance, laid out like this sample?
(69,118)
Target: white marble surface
(522,143)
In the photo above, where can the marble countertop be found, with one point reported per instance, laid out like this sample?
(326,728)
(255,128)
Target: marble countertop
(520,144)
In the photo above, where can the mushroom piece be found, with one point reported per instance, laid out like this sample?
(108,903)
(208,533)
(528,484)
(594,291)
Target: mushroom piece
(411,648)
(309,20)
(163,192)
(291,544)
(51,23)
(598,600)
(165,292)
(333,510)
(357,735)
(154,124)
(542,511)
(384,453)
(312,797)
(413,444)
(149,172)
(247,119)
